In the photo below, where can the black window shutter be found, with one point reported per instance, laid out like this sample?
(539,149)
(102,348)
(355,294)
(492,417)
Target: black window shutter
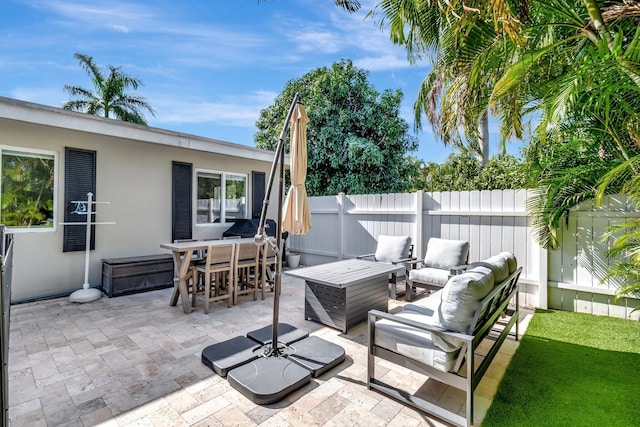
(181,201)
(80,179)
(258,184)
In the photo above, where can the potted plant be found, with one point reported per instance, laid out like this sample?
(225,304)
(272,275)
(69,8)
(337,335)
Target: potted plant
(293,259)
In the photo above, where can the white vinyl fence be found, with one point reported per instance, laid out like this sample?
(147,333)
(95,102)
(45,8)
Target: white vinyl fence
(569,278)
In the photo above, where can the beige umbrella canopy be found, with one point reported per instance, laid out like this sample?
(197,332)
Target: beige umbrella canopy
(297,218)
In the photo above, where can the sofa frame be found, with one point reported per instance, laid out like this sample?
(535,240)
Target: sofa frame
(488,314)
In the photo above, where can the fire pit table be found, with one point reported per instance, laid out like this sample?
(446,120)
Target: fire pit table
(340,294)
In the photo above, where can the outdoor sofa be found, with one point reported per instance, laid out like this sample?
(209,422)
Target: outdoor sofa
(437,334)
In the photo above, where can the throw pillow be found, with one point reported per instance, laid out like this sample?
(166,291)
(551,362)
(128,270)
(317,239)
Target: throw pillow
(392,248)
(461,295)
(445,253)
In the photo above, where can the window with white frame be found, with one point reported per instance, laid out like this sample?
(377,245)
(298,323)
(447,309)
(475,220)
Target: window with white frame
(28,186)
(221,197)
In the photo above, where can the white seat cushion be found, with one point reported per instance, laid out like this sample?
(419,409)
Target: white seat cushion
(428,306)
(461,295)
(415,344)
(433,276)
(445,253)
(392,248)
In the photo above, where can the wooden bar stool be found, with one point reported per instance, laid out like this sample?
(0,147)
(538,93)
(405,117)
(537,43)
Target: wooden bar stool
(247,270)
(219,274)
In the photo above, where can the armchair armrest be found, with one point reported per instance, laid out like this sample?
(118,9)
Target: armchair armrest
(365,256)
(438,330)
(458,269)
(416,263)
(404,261)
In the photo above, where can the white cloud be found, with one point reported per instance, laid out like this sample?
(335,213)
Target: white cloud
(241,111)
(114,14)
(323,41)
(39,95)
(125,17)
(382,62)
(121,28)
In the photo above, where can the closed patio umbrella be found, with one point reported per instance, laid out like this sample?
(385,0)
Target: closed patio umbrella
(297,218)
(270,376)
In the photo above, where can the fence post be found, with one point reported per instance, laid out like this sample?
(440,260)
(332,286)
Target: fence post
(6,261)
(543,283)
(419,221)
(341,225)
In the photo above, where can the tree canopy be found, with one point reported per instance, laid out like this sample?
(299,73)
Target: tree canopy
(357,143)
(110,96)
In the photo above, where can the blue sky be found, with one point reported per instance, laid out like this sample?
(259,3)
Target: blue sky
(208,67)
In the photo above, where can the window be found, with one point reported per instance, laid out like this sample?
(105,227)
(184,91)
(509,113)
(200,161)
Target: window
(221,197)
(28,184)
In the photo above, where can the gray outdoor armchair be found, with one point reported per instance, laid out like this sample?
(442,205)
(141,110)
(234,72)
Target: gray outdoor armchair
(393,250)
(443,259)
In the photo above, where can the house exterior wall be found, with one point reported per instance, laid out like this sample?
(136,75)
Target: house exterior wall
(135,177)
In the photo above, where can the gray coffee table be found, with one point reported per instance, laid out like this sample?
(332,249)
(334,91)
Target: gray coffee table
(340,294)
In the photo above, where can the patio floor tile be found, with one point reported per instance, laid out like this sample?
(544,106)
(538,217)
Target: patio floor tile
(134,360)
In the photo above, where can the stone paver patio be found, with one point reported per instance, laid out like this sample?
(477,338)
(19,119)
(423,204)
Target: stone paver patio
(135,361)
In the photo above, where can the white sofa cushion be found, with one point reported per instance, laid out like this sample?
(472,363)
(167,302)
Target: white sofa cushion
(497,264)
(392,248)
(512,262)
(427,306)
(418,345)
(445,253)
(461,295)
(434,276)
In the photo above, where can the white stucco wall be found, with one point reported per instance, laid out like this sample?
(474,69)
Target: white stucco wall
(135,177)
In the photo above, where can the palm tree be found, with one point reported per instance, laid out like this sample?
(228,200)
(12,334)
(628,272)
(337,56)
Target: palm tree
(572,64)
(586,60)
(110,97)
(348,5)
(468,51)
(582,68)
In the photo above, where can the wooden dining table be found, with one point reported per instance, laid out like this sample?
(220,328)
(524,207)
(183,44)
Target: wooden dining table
(182,256)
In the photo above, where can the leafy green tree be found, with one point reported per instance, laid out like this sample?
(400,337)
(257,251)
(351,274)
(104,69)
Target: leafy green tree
(468,44)
(416,176)
(581,66)
(504,172)
(356,140)
(457,173)
(27,190)
(110,96)
(463,172)
(584,58)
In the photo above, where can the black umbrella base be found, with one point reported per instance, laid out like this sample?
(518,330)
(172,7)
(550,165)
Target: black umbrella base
(316,355)
(268,379)
(227,355)
(265,376)
(287,334)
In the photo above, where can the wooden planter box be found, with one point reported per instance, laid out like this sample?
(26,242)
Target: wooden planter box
(121,276)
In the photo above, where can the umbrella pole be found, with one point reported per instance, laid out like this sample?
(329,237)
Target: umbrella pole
(261,239)
(280,368)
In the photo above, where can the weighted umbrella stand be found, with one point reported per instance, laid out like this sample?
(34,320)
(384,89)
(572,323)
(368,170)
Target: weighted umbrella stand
(273,361)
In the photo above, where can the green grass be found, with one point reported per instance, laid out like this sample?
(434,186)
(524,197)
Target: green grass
(571,369)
